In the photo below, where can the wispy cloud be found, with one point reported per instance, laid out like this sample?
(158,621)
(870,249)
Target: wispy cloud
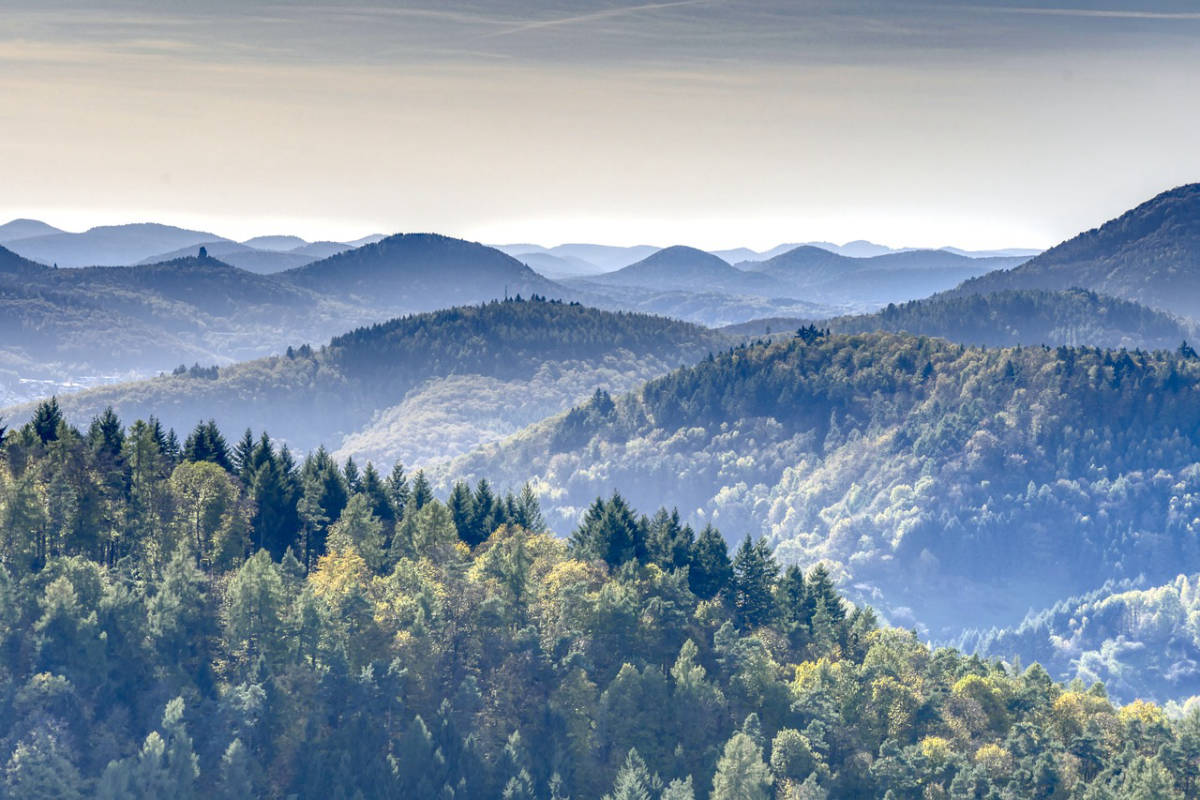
(596,16)
(1097,13)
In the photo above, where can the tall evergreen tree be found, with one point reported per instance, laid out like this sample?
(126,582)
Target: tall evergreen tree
(755,572)
(710,570)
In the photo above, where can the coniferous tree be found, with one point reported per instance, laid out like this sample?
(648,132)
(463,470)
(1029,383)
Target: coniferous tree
(243,456)
(462,511)
(709,569)
(47,418)
(755,572)
(421,492)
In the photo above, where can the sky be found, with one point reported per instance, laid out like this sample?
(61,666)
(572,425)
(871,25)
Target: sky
(715,123)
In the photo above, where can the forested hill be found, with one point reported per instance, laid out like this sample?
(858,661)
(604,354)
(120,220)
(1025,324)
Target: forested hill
(1030,317)
(419,387)
(66,324)
(422,272)
(964,484)
(1150,254)
(999,319)
(188,619)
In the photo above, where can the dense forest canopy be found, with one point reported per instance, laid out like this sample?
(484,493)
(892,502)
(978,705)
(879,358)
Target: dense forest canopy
(919,469)
(187,619)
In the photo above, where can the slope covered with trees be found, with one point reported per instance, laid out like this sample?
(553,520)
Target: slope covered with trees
(198,620)
(1150,254)
(421,386)
(1030,317)
(953,486)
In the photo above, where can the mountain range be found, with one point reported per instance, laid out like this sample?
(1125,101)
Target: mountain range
(151,243)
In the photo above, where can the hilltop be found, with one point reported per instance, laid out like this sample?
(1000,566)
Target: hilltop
(1150,254)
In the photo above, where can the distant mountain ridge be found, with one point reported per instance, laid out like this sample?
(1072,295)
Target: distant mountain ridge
(1150,254)
(109,245)
(24,229)
(822,276)
(421,272)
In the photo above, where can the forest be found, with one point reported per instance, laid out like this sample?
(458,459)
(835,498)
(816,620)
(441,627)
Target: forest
(917,469)
(197,618)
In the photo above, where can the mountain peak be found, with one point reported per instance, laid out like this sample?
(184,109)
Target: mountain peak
(25,229)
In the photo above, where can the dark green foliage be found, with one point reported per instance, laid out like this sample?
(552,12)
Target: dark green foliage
(710,569)
(752,590)
(205,443)
(611,532)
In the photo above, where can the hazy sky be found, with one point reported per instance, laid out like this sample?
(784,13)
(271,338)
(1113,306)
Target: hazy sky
(747,122)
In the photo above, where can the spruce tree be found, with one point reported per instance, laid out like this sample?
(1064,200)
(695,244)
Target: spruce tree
(709,569)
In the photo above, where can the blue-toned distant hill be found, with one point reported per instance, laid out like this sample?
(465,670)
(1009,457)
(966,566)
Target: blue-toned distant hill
(420,272)
(1150,254)
(821,276)
(109,244)
(686,268)
(25,229)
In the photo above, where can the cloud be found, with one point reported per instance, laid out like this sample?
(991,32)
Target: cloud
(1098,13)
(596,16)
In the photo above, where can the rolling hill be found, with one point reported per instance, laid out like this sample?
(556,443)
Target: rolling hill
(24,229)
(1140,641)
(421,272)
(821,276)
(109,244)
(420,387)
(686,268)
(917,469)
(1150,254)
(263,262)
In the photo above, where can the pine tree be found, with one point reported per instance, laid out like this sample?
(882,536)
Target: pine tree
(243,454)
(710,571)
(634,781)
(753,588)
(238,773)
(374,488)
(483,514)
(47,418)
(669,542)
(421,492)
(462,511)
